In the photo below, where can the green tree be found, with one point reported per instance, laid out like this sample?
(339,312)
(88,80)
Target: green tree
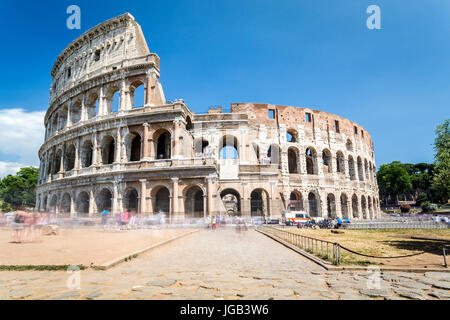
(393,179)
(441,180)
(19,190)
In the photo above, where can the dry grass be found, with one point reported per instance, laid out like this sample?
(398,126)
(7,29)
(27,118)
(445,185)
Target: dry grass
(385,243)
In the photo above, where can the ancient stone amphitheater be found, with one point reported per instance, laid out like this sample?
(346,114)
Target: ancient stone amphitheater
(103,149)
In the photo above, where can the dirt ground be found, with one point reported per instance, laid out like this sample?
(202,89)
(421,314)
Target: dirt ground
(387,243)
(79,246)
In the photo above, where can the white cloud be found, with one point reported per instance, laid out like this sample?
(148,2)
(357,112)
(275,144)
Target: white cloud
(10,168)
(21,135)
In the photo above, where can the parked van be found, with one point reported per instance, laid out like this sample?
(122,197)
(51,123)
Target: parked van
(294,217)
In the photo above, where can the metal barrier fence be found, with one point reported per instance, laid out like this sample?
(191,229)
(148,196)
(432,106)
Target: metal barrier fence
(330,251)
(395,225)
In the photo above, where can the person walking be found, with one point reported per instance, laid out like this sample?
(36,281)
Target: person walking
(104,218)
(125,219)
(18,227)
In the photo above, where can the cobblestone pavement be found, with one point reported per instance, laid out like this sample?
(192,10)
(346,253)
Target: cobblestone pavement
(224,264)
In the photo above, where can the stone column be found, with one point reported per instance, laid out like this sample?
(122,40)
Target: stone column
(77,155)
(212,208)
(151,149)
(123,96)
(246,201)
(143,198)
(176,138)
(72,206)
(174,198)
(69,111)
(84,115)
(61,162)
(145,144)
(115,198)
(118,145)
(95,155)
(275,209)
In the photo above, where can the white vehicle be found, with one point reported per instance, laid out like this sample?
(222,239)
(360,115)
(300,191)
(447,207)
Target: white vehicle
(294,217)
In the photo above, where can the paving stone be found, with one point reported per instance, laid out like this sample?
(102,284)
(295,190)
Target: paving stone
(441,285)
(413,285)
(352,296)
(67,295)
(375,292)
(93,295)
(438,275)
(440,294)
(409,293)
(20,293)
(137,288)
(161,282)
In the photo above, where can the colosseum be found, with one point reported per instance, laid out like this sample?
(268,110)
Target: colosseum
(104,151)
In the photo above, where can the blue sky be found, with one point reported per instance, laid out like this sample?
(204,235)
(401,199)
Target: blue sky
(395,82)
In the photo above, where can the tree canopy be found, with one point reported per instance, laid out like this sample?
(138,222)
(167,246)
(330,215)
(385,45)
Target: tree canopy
(393,179)
(441,180)
(19,190)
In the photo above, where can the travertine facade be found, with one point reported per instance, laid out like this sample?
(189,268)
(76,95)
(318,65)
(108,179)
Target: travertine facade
(103,151)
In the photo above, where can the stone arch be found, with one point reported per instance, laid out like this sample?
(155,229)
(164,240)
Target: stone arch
(136,95)
(296,201)
(57,162)
(349,145)
(69,158)
(355,206)
(55,122)
(86,154)
(53,203)
(63,117)
(331,206)
(131,200)
(83,204)
(231,200)
(133,146)
(293,160)
(369,207)
(340,162)
(314,204)
(163,148)
(112,99)
(360,169)
(161,199)
(108,149)
(193,201)
(364,207)
(273,153)
(201,148)
(257,151)
(259,202)
(229,147)
(351,168)
(65,204)
(311,161)
(344,206)
(366,169)
(75,111)
(291,135)
(327,163)
(92,105)
(104,200)
(189,125)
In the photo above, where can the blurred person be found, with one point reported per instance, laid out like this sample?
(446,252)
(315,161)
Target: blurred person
(125,219)
(17,226)
(104,218)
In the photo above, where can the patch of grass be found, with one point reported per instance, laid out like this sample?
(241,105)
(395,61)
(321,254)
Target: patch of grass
(38,267)
(134,256)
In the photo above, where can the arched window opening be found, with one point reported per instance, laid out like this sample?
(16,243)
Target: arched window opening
(351,168)
(131,200)
(63,117)
(75,112)
(137,93)
(344,206)
(340,162)
(364,207)
(311,161)
(113,99)
(189,125)
(104,200)
(355,206)
(273,154)
(193,203)
(69,161)
(291,136)
(162,201)
(53,204)
(229,147)
(57,164)
(296,201)
(92,105)
(65,205)
(163,149)
(108,150)
(360,169)
(331,206)
(313,205)
(349,145)
(135,149)
(201,148)
(231,201)
(292,161)
(369,207)
(326,161)
(366,169)
(259,203)
(86,154)
(83,204)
